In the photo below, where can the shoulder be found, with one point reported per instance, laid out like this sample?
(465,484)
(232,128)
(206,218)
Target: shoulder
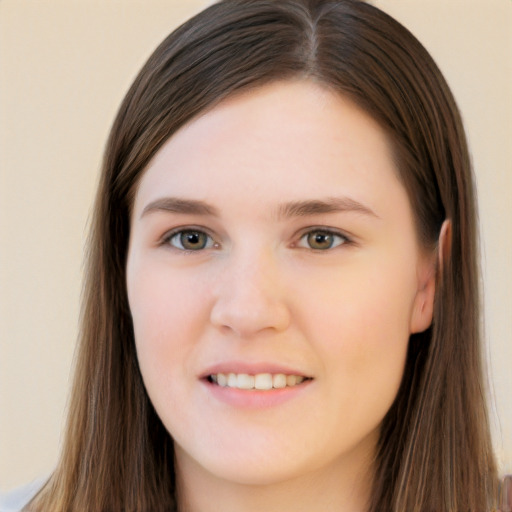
(15,500)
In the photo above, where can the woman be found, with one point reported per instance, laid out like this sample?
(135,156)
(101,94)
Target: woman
(281,305)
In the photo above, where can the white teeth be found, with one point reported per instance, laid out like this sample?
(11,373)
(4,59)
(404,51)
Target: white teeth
(279,381)
(232,380)
(244,381)
(260,381)
(263,381)
(291,380)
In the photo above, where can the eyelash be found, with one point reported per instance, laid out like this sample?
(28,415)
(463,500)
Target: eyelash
(342,239)
(167,239)
(337,239)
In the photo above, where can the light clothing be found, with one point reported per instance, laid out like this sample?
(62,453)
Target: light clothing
(15,500)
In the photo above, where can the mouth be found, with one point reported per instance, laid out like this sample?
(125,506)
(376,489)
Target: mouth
(257,382)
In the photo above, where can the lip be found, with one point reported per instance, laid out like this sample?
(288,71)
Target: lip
(253,398)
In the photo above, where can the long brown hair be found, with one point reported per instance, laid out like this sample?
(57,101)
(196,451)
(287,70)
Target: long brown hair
(435,452)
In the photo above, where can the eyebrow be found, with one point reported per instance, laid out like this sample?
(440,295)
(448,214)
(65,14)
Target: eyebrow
(286,210)
(318,207)
(179,205)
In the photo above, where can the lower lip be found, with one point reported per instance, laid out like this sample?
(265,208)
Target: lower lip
(253,398)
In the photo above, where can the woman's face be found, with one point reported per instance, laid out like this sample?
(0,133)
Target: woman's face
(274,278)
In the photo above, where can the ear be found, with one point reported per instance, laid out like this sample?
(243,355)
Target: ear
(423,307)
(445,244)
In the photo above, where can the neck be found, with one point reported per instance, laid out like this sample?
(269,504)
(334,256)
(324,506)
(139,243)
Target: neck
(338,487)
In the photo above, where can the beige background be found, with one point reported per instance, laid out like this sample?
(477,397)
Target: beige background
(64,67)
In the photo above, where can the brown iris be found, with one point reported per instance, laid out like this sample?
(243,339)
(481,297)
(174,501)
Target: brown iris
(193,240)
(320,240)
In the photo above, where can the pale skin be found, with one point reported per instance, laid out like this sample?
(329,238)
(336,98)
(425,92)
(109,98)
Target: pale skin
(300,258)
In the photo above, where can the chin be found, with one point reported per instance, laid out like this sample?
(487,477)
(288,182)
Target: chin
(254,474)
(245,467)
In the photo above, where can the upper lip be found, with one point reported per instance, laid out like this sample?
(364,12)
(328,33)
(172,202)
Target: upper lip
(250,368)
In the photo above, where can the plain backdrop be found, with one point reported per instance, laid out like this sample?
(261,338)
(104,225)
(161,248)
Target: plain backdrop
(64,68)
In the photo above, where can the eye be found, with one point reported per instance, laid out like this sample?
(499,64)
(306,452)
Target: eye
(190,240)
(321,240)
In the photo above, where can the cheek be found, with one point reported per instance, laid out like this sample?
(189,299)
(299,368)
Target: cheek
(367,359)
(167,315)
(361,328)
(366,304)
(162,301)
(368,348)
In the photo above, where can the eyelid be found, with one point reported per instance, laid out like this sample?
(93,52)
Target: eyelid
(168,235)
(346,239)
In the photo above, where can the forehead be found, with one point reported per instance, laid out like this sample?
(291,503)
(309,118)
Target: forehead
(293,139)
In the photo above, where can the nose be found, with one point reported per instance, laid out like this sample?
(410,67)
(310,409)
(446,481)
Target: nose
(250,297)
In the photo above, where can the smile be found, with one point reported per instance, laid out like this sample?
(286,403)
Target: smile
(260,381)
